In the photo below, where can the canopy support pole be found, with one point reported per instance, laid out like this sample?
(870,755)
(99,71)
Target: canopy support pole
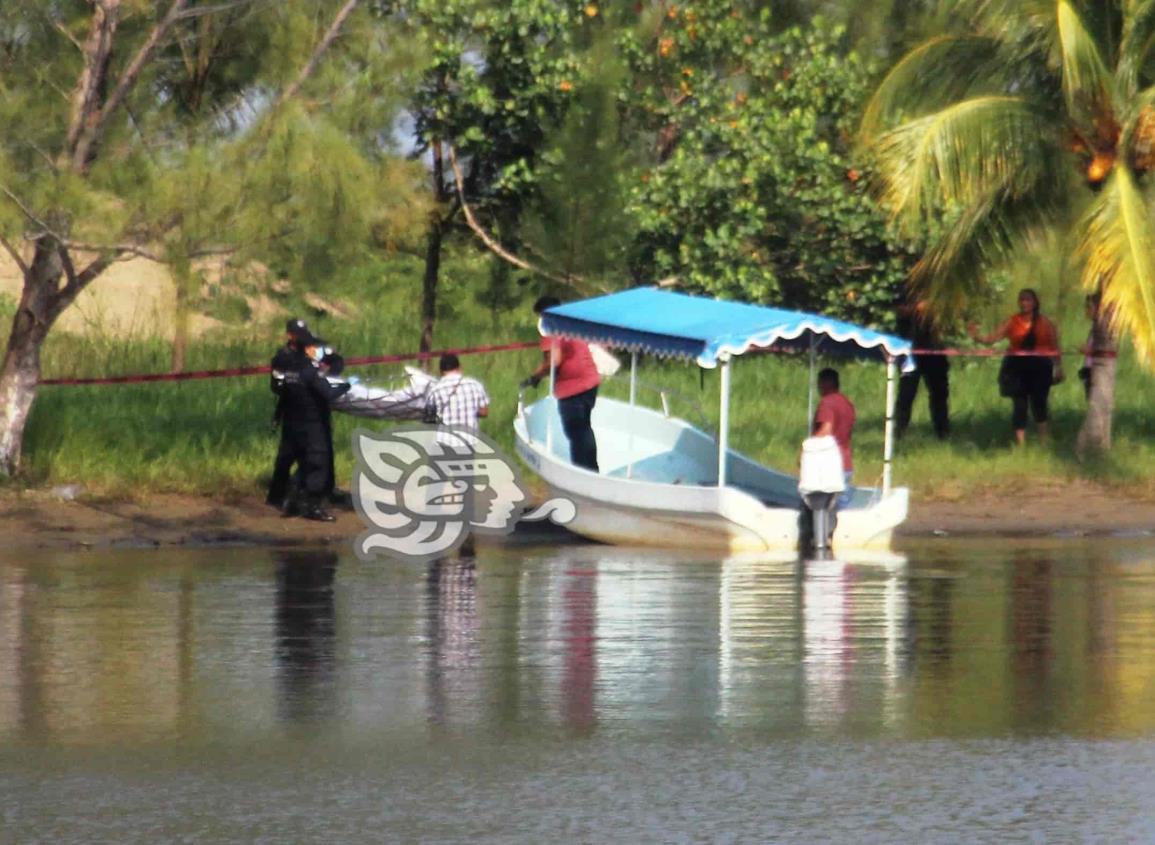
(633,402)
(724,423)
(552,376)
(888,436)
(813,377)
(633,378)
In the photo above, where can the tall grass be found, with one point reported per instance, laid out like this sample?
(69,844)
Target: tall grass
(214,437)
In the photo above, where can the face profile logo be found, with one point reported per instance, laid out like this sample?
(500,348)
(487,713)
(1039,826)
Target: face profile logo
(421,491)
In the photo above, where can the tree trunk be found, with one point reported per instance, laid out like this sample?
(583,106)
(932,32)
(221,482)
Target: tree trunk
(429,284)
(20,370)
(182,316)
(179,334)
(1095,435)
(433,252)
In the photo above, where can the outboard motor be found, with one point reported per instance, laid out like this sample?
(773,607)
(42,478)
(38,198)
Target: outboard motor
(820,482)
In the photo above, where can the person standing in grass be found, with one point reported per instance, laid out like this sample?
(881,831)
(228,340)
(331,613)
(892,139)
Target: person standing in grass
(575,385)
(1099,340)
(289,357)
(835,418)
(456,400)
(915,324)
(305,437)
(1026,379)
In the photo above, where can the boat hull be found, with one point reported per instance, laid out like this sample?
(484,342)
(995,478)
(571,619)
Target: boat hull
(656,488)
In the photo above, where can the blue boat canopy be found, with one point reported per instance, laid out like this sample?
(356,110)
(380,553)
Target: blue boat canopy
(675,325)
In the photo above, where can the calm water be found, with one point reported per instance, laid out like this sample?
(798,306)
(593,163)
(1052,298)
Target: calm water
(979,692)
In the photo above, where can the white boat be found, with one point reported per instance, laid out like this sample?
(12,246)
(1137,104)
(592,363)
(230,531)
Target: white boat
(664,482)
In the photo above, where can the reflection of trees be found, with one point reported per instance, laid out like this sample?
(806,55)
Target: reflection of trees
(305,633)
(931,614)
(1031,632)
(21,694)
(1039,641)
(85,650)
(509,684)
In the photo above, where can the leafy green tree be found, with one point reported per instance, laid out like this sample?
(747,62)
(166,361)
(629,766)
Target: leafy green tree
(183,129)
(754,192)
(884,29)
(499,75)
(1026,115)
(578,223)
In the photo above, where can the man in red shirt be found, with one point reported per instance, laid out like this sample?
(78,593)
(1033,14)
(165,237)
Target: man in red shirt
(575,385)
(835,417)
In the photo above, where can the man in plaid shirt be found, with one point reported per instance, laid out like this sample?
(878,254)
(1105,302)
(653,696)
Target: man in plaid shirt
(456,400)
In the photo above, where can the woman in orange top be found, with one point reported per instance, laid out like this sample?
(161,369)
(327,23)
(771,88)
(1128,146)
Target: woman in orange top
(1027,379)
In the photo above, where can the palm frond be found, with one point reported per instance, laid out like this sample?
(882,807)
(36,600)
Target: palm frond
(951,275)
(1118,251)
(1104,20)
(934,73)
(958,156)
(1135,49)
(1027,24)
(1088,87)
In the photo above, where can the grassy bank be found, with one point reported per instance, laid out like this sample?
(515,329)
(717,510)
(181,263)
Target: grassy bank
(213,437)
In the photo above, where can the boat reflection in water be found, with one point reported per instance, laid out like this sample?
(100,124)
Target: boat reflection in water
(973,640)
(826,641)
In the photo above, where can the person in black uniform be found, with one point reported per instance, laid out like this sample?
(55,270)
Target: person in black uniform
(915,325)
(306,438)
(291,356)
(332,367)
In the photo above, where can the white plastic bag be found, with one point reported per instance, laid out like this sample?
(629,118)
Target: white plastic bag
(606,363)
(821,466)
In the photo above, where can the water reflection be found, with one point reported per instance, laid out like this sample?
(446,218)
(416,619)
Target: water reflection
(826,641)
(579,635)
(453,672)
(306,625)
(971,640)
(1031,627)
(74,660)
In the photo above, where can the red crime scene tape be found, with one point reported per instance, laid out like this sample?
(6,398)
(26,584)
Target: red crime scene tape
(196,375)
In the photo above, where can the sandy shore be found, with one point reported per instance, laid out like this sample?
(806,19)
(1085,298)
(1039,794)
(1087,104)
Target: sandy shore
(38,520)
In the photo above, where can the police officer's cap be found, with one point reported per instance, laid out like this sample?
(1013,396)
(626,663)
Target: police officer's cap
(299,331)
(297,328)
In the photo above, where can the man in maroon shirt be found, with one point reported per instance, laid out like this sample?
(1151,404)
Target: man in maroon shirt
(835,417)
(575,385)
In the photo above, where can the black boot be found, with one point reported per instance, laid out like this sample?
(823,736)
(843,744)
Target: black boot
(318,514)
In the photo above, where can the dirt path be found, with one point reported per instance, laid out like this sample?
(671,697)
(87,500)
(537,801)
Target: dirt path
(40,521)
(37,520)
(1077,509)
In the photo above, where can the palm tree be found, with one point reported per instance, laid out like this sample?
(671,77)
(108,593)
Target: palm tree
(1030,114)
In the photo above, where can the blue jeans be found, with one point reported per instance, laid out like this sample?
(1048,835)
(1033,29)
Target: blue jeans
(844,496)
(575,414)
